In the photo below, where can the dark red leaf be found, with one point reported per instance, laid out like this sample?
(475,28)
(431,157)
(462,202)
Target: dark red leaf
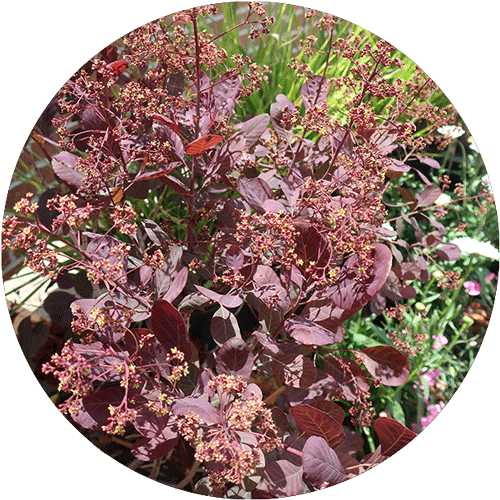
(94,411)
(314,91)
(151,449)
(224,326)
(282,478)
(315,422)
(348,292)
(177,285)
(311,246)
(386,363)
(118,67)
(295,370)
(392,435)
(229,301)
(207,412)
(253,129)
(203,144)
(234,257)
(429,195)
(280,420)
(309,333)
(169,327)
(349,376)
(235,358)
(255,191)
(64,168)
(334,410)
(321,464)
(165,121)
(449,251)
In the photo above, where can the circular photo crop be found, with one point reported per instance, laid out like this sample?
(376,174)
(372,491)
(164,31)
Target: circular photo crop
(250,250)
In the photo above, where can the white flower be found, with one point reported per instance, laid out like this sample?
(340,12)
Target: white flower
(452,131)
(471,246)
(443,199)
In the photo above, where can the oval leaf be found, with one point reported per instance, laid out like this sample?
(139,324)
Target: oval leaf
(235,358)
(321,464)
(316,422)
(203,144)
(224,326)
(386,363)
(169,327)
(348,292)
(309,333)
(282,478)
(392,435)
(449,251)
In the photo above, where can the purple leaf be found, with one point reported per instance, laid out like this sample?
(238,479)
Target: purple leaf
(314,91)
(277,114)
(429,195)
(348,293)
(311,246)
(432,239)
(431,162)
(282,478)
(154,232)
(255,191)
(64,164)
(164,134)
(386,363)
(224,326)
(94,412)
(316,422)
(147,449)
(295,370)
(235,358)
(177,285)
(396,169)
(449,251)
(229,301)
(225,157)
(321,464)
(349,376)
(392,435)
(274,297)
(225,91)
(253,129)
(207,412)
(407,271)
(309,333)
(148,423)
(169,327)
(234,257)
(290,185)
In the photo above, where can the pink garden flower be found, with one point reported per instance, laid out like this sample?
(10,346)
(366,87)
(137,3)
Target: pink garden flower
(472,288)
(440,341)
(432,412)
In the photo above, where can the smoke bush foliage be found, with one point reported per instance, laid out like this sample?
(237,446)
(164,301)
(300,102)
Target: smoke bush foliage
(227,252)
